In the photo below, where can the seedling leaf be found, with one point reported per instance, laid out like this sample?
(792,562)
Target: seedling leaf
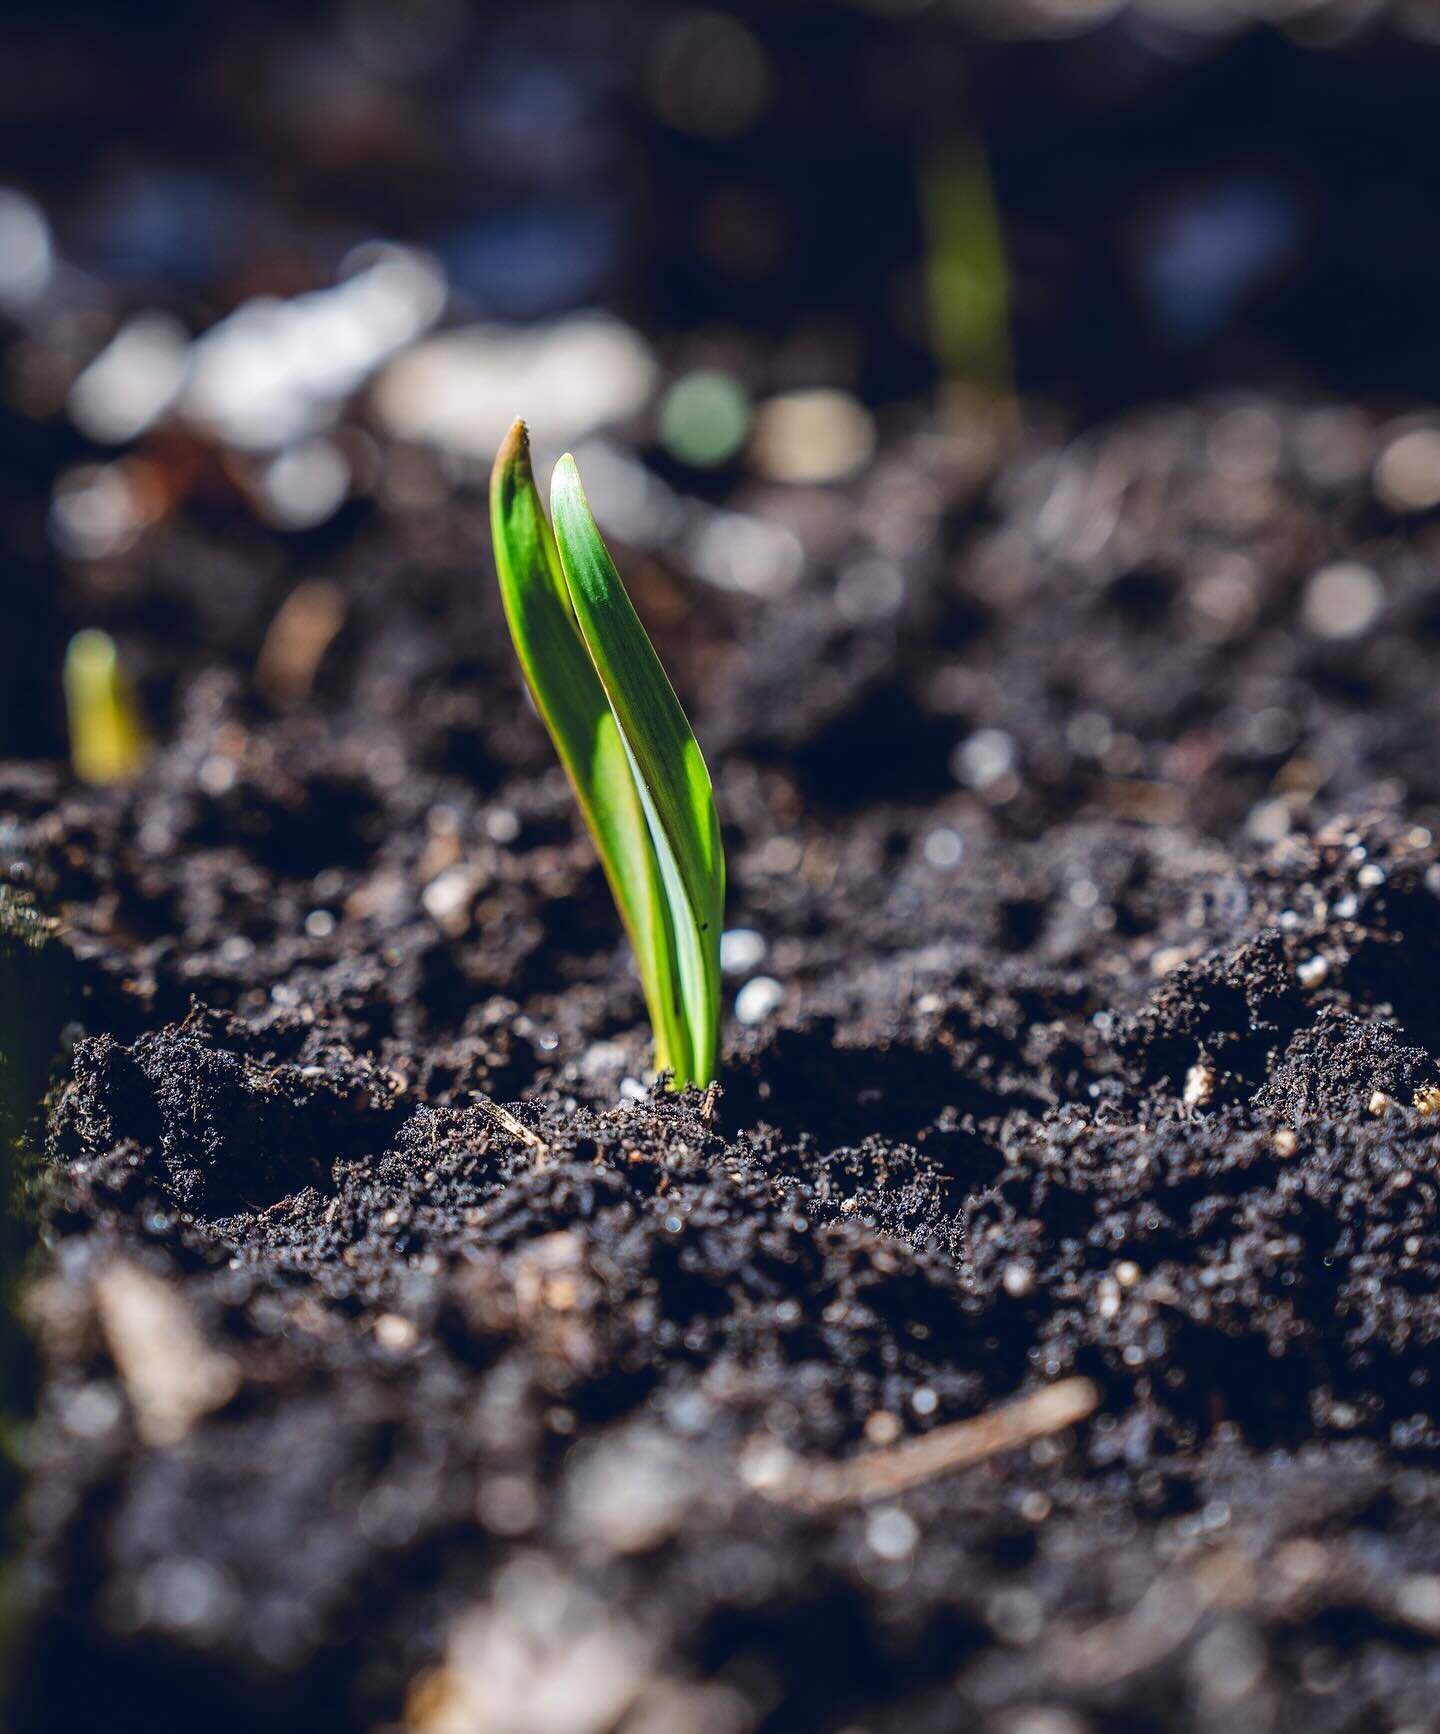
(574,708)
(664,755)
(107,738)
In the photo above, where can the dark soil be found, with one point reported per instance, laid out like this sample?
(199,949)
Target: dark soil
(1109,1055)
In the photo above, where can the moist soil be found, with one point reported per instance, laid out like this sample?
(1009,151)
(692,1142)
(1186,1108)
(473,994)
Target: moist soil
(1091,847)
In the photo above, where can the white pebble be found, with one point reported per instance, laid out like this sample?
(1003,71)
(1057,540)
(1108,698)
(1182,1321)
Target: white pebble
(1199,1085)
(757,999)
(983,759)
(741,950)
(812,436)
(133,380)
(448,895)
(1268,821)
(944,847)
(890,1533)
(395,1333)
(1407,474)
(1343,600)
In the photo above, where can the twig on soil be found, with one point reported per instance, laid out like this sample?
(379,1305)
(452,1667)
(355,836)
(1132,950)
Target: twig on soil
(880,1474)
(304,629)
(506,1121)
(712,1096)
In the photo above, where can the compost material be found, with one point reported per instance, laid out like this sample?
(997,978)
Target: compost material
(1036,1336)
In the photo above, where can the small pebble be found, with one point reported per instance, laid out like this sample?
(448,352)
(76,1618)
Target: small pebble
(1227,1664)
(757,999)
(890,1533)
(881,1427)
(1312,972)
(944,847)
(983,759)
(1407,473)
(1417,1601)
(741,950)
(1016,1616)
(395,1333)
(448,896)
(1268,821)
(1343,600)
(1199,1085)
(1043,1720)
(1380,1103)
(811,436)
(1284,1142)
(506,1504)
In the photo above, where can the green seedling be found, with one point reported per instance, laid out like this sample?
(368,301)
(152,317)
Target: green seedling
(108,743)
(967,276)
(626,746)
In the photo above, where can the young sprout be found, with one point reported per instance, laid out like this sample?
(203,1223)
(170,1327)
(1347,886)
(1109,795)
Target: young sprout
(626,746)
(107,739)
(967,275)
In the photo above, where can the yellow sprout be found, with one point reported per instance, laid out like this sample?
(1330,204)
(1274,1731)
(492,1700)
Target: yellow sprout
(108,743)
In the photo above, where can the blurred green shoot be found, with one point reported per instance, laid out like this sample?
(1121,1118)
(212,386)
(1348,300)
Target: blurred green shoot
(108,743)
(626,746)
(967,279)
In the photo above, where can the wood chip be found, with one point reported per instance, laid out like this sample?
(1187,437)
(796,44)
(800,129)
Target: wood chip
(506,1121)
(304,629)
(882,1474)
(170,1373)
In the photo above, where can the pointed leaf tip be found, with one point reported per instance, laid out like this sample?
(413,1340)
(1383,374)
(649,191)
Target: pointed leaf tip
(670,773)
(575,710)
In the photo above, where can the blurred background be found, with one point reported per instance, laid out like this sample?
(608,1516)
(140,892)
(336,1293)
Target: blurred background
(269,269)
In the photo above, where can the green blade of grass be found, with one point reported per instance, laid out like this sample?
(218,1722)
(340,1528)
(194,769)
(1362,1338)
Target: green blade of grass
(574,708)
(670,772)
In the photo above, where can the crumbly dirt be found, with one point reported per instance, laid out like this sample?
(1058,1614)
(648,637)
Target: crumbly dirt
(1107,1048)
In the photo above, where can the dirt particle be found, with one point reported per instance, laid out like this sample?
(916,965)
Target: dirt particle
(396,1334)
(1199,1085)
(881,1427)
(1018,1280)
(1427,1101)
